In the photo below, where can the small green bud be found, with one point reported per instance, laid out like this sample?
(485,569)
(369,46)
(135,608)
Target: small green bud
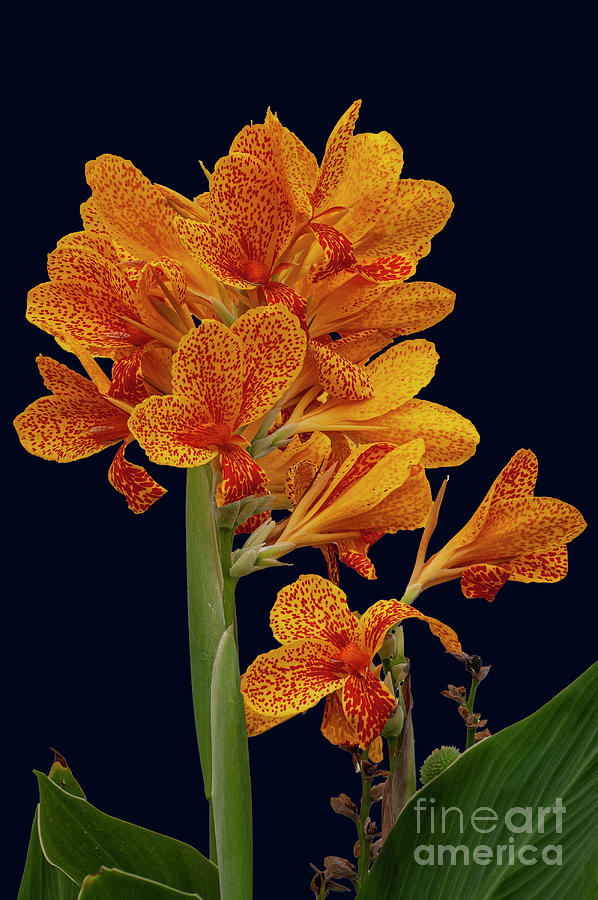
(389,646)
(394,725)
(437,762)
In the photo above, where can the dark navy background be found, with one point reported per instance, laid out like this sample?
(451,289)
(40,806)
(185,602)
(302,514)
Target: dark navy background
(495,108)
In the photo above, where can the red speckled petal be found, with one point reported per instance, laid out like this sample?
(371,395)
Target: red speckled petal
(372,170)
(333,164)
(133,481)
(276,292)
(450,438)
(401,308)
(248,202)
(253,522)
(291,679)
(127,379)
(340,377)
(337,248)
(353,552)
(66,428)
(483,580)
(241,476)
(218,253)
(133,210)
(518,478)
(386,268)
(207,370)
(367,704)
(338,730)
(546,566)
(525,525)
(416,212)
(171,432)
(313,609)
(377,620)
(273,346)
(59,379)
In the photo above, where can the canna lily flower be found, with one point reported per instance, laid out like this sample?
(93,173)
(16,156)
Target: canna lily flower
(90,299)
(391,412)
(250,224)
(327,649)
(512,536)
(378,489)
(78,420)
(222,380)
(139,216)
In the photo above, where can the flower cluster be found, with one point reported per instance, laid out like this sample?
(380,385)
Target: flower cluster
(259,328)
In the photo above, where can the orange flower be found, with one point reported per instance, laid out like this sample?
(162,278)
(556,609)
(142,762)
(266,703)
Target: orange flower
(222,380)
(104,307)
(326,648)
(512,536)
(251,223)
(77,420)
(389,410)
(378,489)
(140,217)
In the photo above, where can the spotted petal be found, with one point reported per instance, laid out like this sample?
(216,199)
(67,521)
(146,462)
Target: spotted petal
(377,620)
(367,704)
(241,476)
(313,609)
(133,481)
(291,679)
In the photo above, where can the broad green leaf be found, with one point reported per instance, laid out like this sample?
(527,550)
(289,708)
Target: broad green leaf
(536,784)
(80,839)
(205,610)
(40,879)
(231,784)
(112,884)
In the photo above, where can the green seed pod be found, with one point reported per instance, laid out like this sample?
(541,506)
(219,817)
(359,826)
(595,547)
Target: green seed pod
(437,762)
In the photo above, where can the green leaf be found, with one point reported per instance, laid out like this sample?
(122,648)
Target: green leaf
(112,884)
(548,760)
(231,784)
(40,878)
(80,839)
(205,609)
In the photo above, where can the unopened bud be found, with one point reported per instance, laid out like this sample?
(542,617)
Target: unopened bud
(389,646)
(394,725)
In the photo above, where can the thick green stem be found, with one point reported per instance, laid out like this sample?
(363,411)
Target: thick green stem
(205,606)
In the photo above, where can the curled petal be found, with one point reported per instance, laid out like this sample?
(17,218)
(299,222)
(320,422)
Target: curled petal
(313,609)
(133,481)
(335,156)
(484,580)
(377,620)
(291,679)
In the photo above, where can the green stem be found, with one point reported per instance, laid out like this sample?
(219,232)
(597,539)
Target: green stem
(205,607)
(366,804)
(471,729)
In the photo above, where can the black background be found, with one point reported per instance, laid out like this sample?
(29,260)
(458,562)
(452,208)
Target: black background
(496,106)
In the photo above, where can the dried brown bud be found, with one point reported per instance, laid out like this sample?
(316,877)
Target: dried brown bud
(455,693)
(474,664)
(378,791)
(337,867)
(337,888)
(482,734)
(344,806)
(482,673)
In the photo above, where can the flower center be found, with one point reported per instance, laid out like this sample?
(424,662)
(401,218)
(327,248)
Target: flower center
(256,272)
(355,658)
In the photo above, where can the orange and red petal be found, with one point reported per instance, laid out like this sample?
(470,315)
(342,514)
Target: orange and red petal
(484,580)
(241,476)
(367,704)
(277,292)
(335,156)
(133,210)
(219,253)
(67,428)
(133,481)
(377,620)
(313,609)
(416,212)
(353,552)
(207,371)
(170,431)
(272,346)
(291,679)
(547,566)
(127,379)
